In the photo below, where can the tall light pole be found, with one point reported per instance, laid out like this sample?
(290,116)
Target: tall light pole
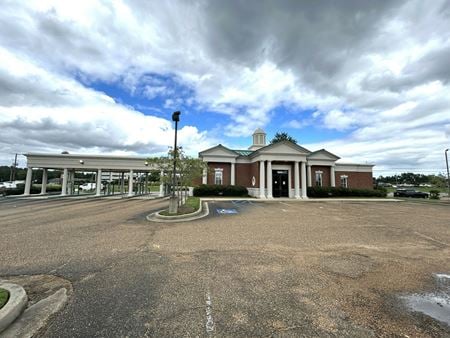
(173,203)
(448,173)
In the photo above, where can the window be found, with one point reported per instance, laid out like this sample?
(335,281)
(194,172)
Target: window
(218,176)
(344,181)
(318,179)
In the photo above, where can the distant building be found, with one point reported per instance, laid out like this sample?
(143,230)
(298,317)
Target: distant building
(283,169)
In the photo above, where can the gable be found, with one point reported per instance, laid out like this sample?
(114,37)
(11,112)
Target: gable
(219,151)
(322,154)
(284,147)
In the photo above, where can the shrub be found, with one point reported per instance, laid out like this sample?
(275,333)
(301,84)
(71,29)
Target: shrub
(344,192)
(434,194)
(220,190)
(20,188)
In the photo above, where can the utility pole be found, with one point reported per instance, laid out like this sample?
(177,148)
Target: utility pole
(448,173)
(12,175)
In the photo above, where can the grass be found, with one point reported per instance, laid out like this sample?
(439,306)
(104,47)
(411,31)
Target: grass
(4,296)
(192,204)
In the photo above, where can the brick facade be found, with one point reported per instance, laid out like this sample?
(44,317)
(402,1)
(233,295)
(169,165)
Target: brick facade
(226,172)
(326,177)
(243,174)
(357,180)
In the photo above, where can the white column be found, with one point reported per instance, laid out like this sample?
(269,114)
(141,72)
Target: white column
(262,179)
(332,177)
(27,190)
(146,183)
(233,171)
(296,180)
(269,179)
(161,185)
(130,184)
(98,185)
(309,176)
(205,176)
(64,182)
(70,182)
(44,181)
(303,173)
(122,184)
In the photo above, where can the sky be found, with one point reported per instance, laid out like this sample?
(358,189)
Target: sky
(366,80)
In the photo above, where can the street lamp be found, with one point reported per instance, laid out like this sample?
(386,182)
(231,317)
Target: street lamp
(448,173)
(173,203)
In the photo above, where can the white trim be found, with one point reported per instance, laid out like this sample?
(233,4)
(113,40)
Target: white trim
(288,168)
(321,162)
(364,168)
(218,158)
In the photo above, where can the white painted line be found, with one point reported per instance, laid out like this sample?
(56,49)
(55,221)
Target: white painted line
(442,276)
(209,318)
(285,204)
(430,238)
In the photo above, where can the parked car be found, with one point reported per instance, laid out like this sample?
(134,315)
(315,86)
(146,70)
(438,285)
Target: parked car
(410,193)
(90,186)
(2,191)
(8,185)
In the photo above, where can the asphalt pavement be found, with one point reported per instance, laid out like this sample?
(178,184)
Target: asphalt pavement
(249,269)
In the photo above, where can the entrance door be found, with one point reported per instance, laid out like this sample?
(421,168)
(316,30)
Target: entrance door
(280,183)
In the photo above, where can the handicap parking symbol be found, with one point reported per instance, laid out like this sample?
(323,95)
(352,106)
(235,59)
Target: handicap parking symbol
(226,211)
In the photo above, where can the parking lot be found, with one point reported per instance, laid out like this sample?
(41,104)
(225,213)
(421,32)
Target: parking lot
(279,268)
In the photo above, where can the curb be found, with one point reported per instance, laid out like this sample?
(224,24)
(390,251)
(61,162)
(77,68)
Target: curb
(203,211)
(15,306)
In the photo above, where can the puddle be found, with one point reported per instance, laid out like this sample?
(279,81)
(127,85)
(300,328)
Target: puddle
(436,304)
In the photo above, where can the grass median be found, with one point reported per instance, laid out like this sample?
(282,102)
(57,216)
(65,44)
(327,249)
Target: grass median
(4,296)
(192,205)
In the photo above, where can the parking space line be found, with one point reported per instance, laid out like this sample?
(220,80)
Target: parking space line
(209,318)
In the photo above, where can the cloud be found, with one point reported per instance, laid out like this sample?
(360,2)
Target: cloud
(374,70)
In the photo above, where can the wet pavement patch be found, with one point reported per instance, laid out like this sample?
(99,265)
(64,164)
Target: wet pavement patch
(435,304)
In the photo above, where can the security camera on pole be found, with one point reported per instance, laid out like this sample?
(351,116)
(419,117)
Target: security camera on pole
(173,202)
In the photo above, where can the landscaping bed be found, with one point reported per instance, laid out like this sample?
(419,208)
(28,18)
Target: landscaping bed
(191,205)
(319,192)
(4,296)
(220,190)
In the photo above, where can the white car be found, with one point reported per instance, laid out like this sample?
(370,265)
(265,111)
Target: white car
(88,186)
(8,185)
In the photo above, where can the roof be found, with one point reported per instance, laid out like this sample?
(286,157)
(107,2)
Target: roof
(259,131)
(243,152)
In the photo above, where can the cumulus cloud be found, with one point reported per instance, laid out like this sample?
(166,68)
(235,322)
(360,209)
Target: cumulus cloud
(375,70)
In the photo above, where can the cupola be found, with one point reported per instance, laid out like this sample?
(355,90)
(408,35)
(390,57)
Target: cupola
(259,139)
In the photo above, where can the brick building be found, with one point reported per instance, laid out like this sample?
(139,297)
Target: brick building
(283,169)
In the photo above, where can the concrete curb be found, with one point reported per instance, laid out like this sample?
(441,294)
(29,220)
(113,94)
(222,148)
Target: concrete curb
(309,199)
(15,306)
(203,211)
(36,316)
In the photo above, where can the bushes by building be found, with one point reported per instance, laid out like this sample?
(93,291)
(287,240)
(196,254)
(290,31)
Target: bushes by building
(319,192)
(220,190)
(35,189)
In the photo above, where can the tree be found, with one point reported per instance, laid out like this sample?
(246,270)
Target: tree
(282,136)
(188,169)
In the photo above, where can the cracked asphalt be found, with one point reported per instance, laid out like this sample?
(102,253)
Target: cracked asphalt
(273,269)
